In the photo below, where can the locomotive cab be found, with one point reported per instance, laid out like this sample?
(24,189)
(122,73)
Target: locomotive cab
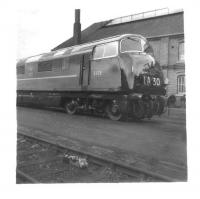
(143,77)
(143,73)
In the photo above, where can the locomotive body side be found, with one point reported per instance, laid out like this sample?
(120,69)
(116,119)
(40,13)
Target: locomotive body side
(105,68)
(59,77)
(79,72)
(100,76)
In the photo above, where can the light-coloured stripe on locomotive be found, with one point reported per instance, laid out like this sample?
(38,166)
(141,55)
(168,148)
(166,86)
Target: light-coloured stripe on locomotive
(33,59)
(53,77)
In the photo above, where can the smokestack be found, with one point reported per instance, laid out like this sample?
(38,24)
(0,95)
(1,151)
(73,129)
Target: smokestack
(77,27)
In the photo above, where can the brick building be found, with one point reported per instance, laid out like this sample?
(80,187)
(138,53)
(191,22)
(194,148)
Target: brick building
(165,32)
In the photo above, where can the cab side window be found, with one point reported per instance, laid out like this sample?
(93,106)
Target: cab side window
(106,50)
(110,49)
(98,52)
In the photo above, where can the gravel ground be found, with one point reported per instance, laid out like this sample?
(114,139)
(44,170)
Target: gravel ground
(46,164)
(162,138)
(157,145)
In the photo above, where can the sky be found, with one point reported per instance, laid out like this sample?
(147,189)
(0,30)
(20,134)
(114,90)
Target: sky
(42,25)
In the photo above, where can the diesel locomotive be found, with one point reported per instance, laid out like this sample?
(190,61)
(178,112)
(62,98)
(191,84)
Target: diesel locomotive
(117,76)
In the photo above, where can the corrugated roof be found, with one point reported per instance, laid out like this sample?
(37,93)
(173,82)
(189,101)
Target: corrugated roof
(149,27)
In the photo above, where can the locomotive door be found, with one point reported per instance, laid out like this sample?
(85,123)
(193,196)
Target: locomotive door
(85,71)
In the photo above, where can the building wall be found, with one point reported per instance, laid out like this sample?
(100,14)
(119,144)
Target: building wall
(166,51)
(173,74)
(164,42)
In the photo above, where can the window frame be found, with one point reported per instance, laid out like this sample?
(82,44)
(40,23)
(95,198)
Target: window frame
(137,51)
(180,85)
(94,52)
(179,43)
(104,57)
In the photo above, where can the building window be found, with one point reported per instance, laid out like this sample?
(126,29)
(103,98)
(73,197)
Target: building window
(181,51)
(181,84)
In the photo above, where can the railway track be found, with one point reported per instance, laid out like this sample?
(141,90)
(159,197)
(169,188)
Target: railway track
(41,161)
(25,178)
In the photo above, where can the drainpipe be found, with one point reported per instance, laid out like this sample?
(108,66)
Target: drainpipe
(168,57)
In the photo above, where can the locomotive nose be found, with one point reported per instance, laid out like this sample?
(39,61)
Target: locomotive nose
(151,60)
(142,63)
(148,75)
(145,106)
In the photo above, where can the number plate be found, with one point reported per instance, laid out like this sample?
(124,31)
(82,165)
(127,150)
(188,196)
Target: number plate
(151,81)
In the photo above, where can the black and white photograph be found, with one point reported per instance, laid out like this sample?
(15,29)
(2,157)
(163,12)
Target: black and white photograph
(100,94)
(107,104)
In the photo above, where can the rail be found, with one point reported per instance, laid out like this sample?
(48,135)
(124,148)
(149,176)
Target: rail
(27,177)
(130,170)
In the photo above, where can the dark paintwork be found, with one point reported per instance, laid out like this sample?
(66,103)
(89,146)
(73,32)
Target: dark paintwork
(142,65)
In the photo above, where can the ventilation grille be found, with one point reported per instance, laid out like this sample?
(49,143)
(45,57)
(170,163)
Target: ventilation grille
(21,69)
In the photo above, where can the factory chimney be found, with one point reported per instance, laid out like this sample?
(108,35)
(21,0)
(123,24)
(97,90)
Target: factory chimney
(77,28)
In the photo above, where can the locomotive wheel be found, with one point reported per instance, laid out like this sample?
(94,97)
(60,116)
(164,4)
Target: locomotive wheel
(138,110)
(71,107)
(161,106)
(113,111)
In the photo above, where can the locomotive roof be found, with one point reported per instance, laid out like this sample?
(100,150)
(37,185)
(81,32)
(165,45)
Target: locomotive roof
(73,50)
